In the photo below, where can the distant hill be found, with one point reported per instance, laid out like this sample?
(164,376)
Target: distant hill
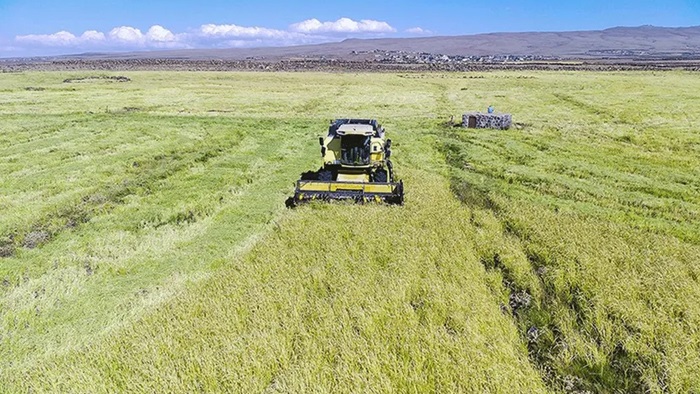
(617,42)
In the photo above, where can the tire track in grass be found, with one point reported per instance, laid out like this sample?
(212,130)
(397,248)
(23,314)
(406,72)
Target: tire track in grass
(337,298)
(23,133)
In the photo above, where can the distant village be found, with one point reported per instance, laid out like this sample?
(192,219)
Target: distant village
(399,57)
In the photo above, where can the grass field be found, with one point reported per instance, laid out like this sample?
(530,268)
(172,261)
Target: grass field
(146,248)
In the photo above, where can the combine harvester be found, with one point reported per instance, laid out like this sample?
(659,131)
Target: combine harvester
(356,166)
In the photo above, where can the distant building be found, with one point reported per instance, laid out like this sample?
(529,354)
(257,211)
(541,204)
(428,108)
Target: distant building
(477,120)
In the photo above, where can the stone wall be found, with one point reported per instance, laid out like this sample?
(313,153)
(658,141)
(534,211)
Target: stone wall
(477,120)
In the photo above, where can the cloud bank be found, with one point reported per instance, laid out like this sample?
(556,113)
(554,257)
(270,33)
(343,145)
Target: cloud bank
(342,26)
(62,38)
(119,37)
(207,36)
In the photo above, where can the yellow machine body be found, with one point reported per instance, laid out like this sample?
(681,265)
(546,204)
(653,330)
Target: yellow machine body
(356,166)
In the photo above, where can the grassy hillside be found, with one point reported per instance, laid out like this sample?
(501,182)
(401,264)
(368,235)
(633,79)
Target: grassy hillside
(146,246)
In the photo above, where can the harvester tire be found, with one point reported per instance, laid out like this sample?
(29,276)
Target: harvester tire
(309,176)
(325,176)
(290,202)
(381,176)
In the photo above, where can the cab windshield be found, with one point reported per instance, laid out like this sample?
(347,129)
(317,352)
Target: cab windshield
(355,149)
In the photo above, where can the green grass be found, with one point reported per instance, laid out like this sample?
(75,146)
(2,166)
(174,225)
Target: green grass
(165,261)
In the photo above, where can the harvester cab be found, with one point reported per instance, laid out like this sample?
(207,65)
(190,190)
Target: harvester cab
(356,166)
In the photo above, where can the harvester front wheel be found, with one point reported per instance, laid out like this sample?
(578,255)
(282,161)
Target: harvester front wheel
(380,176)
(325,176)
(291,202)
(309,176)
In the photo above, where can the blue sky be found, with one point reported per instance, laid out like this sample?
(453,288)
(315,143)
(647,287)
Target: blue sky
(31,27)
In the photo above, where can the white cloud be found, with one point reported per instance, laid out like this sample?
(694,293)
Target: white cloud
(158,33)
(126,35)
(159,37)
(418,30)
(62,38)
(119,37)
(342,25)
(92,35)
(235,36)
(235,31)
